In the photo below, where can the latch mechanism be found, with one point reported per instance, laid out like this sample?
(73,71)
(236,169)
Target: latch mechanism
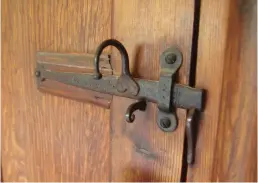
(166,93)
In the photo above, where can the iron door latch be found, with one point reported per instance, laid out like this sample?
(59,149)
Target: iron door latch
(166,93)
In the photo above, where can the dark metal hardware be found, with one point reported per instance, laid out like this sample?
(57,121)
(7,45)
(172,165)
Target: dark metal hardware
(164,92)
(139,105)
(190,135)
(125,83)
(182,96)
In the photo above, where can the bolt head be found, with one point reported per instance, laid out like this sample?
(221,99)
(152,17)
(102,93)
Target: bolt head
(37,73)
(171,58)
(165,122)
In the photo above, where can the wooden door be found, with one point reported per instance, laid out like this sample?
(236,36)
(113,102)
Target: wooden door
(51,138)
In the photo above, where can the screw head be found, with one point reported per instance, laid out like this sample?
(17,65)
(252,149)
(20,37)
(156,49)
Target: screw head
(165,122)
(37,73)
(171,58)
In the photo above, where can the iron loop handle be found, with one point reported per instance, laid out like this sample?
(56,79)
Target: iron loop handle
(125,84)
(123,52)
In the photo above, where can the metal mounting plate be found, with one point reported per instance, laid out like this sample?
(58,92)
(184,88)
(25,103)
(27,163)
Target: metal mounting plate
(170,62)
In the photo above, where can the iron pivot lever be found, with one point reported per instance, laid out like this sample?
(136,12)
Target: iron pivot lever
(164,92)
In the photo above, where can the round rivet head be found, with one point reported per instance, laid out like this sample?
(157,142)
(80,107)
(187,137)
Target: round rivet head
(170,58)
(37,73)
(165,122)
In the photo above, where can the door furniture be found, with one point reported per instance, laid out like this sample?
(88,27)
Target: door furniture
(82,135)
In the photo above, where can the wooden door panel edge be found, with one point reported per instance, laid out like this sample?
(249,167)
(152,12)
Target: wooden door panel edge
(226,66)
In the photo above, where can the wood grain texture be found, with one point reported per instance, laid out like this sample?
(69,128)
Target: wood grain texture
(226,67)
(75,93)
(141,151)
(48,138)
(236,157)
(73,62)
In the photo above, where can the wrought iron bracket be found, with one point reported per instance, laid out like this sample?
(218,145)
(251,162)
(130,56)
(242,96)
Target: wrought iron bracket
(166,93)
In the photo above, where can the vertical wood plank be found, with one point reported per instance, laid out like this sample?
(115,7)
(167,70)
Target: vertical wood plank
(141,151)
(236,147)
(226,67)
(48,138)
(209,75)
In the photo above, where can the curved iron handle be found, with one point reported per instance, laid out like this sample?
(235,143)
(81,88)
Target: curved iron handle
(125,83)
(139,105)
(190,135)
(123,52)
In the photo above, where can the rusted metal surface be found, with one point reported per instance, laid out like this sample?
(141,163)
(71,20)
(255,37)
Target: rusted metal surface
(125,83)
(164,92)
(182,96)
(190,135)
(139,105)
